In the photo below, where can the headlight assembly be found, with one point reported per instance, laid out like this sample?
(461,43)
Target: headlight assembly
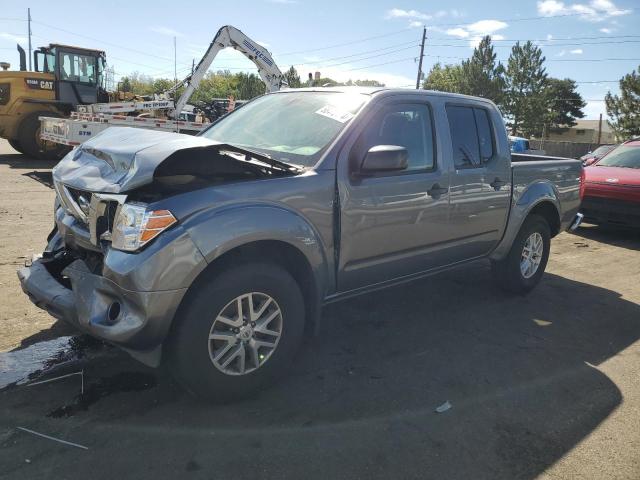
(135,226)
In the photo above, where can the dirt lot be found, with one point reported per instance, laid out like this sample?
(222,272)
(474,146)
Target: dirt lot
(543,386)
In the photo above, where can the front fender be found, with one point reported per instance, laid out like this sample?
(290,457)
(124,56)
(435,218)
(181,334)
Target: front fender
(522,204)
(218,231)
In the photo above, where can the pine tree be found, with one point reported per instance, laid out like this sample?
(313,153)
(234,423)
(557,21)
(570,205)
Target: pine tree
(292,78)
(525,104)
(481,75)
(624,109)
(564,104)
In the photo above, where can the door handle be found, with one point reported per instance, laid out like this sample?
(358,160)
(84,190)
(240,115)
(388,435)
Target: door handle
(436,191)
(497,184)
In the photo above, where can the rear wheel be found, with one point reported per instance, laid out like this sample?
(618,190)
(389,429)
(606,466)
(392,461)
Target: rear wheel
(33,145)
(238,332)
(15,144)
(521,270)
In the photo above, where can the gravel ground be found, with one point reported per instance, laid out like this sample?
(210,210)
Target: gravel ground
(542,386)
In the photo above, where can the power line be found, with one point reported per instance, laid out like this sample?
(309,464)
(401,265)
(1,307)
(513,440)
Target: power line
(380,64)
(346,43)
(367,58)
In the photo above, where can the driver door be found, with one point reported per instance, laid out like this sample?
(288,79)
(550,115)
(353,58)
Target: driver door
(393,223)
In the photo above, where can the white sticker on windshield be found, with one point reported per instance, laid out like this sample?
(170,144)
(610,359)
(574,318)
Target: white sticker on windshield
(335,113)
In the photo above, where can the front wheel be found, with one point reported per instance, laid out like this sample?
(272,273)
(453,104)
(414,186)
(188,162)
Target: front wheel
(523,267)
(237,332)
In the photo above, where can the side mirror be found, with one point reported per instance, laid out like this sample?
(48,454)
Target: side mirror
(385,158)
(590,161)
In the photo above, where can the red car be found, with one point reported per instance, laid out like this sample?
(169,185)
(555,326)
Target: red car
(611,187)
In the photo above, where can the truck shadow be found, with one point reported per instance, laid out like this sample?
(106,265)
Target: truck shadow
(19,161)
(619,237)
(521,373)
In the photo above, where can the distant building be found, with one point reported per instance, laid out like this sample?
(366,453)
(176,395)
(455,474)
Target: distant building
(585,131)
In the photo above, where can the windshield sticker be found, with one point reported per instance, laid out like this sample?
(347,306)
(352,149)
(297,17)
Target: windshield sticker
(335,113)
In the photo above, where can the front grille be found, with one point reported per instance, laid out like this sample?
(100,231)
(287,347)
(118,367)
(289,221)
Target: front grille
(5,93)
(70,198)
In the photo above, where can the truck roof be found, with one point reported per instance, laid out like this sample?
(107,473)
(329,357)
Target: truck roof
(377,90)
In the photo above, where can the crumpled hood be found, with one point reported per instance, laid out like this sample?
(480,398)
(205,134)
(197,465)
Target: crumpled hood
(120,159)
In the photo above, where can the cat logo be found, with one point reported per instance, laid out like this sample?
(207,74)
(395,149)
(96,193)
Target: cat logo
(37,84)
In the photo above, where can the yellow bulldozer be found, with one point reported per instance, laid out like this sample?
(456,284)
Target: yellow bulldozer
(63,78)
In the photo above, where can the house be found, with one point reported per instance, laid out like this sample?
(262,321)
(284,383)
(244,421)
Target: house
(585,131)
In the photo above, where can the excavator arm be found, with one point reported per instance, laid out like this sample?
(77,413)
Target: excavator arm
(229,36)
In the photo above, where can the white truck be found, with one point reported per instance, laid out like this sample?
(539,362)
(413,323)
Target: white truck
(163,113)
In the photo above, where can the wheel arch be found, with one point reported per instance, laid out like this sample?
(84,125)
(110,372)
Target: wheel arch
(277,252)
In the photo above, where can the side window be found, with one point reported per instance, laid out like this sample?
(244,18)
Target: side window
(78,68)
(406,125)
(485,138)
(471,136)
(464,137)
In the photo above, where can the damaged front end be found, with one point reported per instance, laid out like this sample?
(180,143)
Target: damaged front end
(118,264)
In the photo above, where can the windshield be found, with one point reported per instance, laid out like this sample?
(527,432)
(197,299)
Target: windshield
(600,151)
(623,156)
(293,127)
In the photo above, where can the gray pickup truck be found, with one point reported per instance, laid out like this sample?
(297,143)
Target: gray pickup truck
(216,253)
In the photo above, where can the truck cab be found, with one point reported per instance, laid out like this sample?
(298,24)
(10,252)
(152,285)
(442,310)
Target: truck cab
(63,77)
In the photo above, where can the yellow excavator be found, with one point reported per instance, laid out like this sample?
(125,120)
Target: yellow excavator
(63,78)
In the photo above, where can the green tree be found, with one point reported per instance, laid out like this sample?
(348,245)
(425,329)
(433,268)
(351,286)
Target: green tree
(292,78)
(249,86)
(525,103)
(624,109)
(481,75)
(564,104)
(162,85)
(125,84)
(446,78)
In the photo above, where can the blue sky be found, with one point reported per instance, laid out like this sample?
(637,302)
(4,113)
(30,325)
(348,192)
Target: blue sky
(375,39)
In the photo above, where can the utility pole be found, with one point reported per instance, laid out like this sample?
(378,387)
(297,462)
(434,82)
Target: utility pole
(175,63)
(600,129)
(29,23)
(424,37)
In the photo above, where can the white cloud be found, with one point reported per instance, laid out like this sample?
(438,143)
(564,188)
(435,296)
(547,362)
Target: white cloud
(594,108)
(606,30)
(549,37)
(415,15)
(170,32)
(13,38)
(457,32)
(577,51)
(475,31)
(594,11)
(561,53)
(400,13)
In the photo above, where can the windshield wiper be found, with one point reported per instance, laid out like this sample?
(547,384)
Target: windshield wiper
(262,157)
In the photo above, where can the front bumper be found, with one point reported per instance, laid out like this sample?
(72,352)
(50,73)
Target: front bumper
(134,320)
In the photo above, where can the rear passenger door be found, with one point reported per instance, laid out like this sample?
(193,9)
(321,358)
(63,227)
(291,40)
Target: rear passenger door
(480,183)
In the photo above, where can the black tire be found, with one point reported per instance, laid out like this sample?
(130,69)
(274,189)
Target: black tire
(507,272)
(188,349)
(29,138)
(15,144)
